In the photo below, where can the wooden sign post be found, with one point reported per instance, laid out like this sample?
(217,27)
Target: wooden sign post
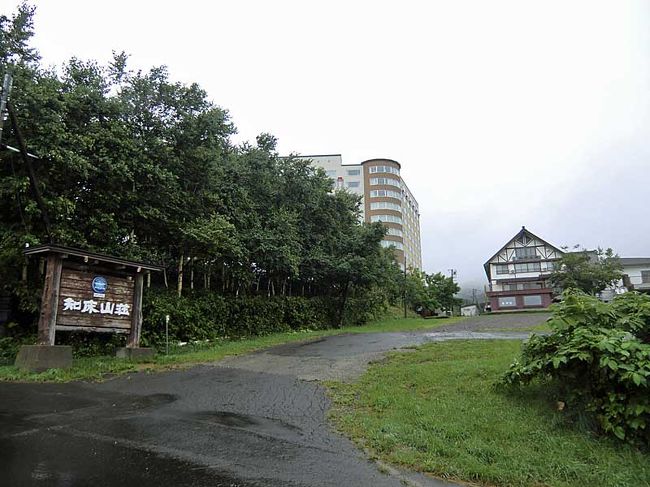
(86,292)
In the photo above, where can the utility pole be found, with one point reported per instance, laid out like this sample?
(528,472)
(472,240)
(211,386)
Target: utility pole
(452,274)
(7,106)
(404,284)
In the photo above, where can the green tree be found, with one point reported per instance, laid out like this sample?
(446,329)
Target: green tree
(137,165)
(418,296)
(444,290)
(591,272)
(429,292)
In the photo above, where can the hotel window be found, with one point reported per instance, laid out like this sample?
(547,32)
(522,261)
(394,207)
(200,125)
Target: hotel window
(528,267)
(645,277)
(331,174)
(388,169)
(523,253)
(354,172)
(385,205)
(386,218)
(385,193)
(386,181)
(353,184)
(502,269)
(533,285)
(550,266)
(533,300)
(390,243)
(395,231)
(507,301)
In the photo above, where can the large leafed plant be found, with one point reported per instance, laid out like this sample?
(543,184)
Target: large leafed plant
(597,359)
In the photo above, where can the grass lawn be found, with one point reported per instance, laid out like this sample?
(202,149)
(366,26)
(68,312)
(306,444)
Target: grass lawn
(96,368)
(435,410)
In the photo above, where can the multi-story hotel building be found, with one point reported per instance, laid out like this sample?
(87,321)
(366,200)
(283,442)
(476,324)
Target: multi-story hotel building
(386,198)
(519,272)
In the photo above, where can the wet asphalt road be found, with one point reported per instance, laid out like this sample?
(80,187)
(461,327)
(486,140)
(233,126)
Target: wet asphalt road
(253,420)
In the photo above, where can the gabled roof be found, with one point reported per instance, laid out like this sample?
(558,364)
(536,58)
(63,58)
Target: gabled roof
(71,251)
(519,234)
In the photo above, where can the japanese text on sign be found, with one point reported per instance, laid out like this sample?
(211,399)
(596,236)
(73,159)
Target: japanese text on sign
(91,306)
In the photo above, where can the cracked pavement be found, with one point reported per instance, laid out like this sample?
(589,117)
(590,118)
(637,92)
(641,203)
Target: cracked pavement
(250,420)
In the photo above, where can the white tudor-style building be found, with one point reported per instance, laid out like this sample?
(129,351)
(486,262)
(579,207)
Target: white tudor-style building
(518,273)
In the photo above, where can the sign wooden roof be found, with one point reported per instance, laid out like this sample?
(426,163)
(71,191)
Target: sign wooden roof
(87,256)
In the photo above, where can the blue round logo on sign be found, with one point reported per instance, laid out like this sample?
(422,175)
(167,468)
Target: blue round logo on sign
(100,284)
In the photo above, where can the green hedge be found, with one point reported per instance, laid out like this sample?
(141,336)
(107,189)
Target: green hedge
(209,316)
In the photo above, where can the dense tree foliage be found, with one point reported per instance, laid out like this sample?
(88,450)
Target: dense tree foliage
(134,164)
(591,272)
(427,293)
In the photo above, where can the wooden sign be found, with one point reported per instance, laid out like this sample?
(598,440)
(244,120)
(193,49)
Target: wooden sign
(95,300)
(85,291)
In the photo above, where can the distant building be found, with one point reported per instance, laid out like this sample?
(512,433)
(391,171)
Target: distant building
(636,277)
(469,310)
(386,199)
(518,273)
(636,273)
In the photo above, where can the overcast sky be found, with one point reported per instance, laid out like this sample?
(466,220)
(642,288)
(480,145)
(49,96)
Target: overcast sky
(502,113)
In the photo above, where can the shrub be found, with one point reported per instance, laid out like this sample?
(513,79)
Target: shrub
(91,344)
(364,307)
(10,345)
(207,316)
(598,358)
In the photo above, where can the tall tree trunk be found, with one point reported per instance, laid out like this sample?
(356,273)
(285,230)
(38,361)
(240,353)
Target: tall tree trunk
(148,279)
(344,298)
(192,273)
(181,263)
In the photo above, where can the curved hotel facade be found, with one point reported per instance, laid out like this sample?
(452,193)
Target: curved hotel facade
(386,199)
